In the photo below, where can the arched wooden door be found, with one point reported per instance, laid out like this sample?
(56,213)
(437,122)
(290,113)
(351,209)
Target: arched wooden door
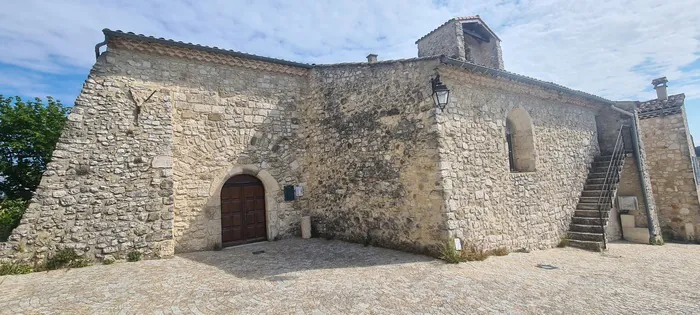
(243,218)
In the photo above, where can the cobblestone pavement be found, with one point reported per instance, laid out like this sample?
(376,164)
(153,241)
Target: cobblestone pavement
(332,277)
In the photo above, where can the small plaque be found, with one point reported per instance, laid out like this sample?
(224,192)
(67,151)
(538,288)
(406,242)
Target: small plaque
(298,191)
(458,244)
(289,193)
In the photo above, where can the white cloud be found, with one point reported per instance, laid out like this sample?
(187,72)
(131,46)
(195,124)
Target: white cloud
(610,48)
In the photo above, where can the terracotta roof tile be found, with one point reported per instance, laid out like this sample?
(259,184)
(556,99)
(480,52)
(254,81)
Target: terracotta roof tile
(656,107)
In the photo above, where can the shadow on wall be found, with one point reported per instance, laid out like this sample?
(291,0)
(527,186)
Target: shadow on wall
(294,255)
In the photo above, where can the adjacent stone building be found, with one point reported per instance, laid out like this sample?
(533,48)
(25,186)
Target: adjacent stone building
(175,147)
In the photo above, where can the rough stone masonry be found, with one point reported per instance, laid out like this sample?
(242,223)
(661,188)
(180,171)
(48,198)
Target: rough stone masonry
(162,127)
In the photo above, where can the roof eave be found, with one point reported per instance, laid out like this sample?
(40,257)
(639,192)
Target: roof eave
(110,33)
(523,79)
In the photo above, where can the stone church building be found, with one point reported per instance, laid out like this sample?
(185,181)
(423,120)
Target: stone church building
(176,147)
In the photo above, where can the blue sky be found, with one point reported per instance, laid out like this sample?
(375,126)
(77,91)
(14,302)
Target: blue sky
(610,48)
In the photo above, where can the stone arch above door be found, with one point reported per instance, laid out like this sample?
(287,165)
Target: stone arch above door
(272,192)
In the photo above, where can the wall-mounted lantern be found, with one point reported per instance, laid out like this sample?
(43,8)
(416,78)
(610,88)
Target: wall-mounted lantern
(441,94)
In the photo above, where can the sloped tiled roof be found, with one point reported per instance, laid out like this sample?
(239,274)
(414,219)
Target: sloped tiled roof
(522,78)
(478,19)
(169,42)
(290,65)
(472,18)
(656,107)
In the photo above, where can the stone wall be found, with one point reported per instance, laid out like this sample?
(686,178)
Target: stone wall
(608,127)
(669,152)
(371,159)
(446,40)
(148,178)
(483,53)
(108,189)
(631,186)
(487,205)
(229,121)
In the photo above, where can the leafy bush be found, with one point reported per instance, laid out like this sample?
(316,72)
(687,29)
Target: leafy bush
(11,212)
(14,269)
(66,258)
(29,130)
(133,256)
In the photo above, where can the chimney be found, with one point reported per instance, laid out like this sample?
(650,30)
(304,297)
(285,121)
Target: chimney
(660,87)
(372,58)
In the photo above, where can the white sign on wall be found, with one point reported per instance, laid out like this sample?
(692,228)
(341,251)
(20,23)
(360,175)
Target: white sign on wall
(298,191)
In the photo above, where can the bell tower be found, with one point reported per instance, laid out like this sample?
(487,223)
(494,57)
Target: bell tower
(466,39)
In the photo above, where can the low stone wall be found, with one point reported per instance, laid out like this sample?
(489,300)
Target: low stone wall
(487,205)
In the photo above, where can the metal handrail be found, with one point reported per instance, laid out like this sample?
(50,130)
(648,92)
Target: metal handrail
(609,181)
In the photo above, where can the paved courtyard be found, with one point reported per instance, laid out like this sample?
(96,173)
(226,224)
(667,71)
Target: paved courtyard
(332,277)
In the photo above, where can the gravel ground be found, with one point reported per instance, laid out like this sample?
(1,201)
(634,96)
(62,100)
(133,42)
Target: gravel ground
(333,277)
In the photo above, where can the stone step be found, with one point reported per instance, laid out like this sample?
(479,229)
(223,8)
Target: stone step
(594,174)
(585,236)
(602,170)
(600,158)
(593,193)
(586,213)
(591,199)
(597,181)
(587,206)
(586,221)
(586,228)
(587,245)
(596,186)
(605,164)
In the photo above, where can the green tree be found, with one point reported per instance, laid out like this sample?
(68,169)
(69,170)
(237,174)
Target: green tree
(29,131)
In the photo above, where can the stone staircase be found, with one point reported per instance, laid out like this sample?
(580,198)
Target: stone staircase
(586,230)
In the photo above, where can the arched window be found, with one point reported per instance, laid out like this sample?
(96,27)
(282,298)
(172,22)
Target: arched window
(521,141)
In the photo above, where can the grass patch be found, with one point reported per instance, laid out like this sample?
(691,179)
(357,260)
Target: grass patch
(14,269)
(475,254)
(133,256)
(66,258)
(449,253)
(564,242)
(500,252)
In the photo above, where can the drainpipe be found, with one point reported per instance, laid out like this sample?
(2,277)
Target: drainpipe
(97,47)
(640,166)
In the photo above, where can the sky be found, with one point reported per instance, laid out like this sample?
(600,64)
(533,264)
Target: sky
(609,48)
